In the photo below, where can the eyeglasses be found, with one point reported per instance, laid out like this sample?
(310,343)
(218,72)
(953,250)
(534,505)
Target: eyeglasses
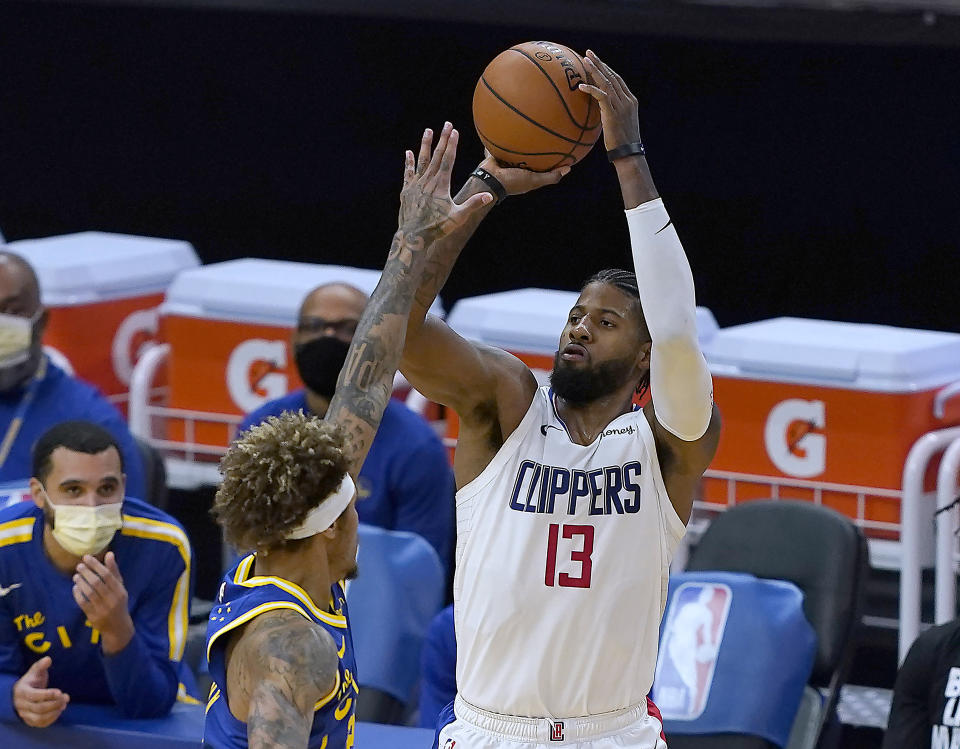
(341,328)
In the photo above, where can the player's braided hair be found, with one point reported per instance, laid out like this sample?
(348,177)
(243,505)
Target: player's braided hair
(627,283)
(273,475)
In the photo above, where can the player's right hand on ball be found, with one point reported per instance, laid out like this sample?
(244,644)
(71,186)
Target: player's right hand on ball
(426,206)
(518,181)
(36,705)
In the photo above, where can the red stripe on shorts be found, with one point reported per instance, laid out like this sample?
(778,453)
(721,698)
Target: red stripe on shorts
(653,710)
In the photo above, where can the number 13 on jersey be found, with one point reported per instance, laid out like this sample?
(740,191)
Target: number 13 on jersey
(581,555)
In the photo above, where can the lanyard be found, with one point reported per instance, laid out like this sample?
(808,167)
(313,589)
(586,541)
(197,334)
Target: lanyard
(14,428)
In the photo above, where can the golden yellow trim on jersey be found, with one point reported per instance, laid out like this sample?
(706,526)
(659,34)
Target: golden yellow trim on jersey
(325,699)
(214,696)
(240,578)
(182,696)
(243,569)
(177,619)
(343,647)
(16,531)
(254,612)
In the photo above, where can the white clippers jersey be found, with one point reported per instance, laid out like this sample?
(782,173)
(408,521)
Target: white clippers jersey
(562,564)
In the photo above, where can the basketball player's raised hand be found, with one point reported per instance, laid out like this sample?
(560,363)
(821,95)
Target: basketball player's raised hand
(618,106)
(427,210)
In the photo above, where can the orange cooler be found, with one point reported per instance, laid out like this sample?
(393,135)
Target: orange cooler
(229,326)
(528,324)
(102,291)
(826,412)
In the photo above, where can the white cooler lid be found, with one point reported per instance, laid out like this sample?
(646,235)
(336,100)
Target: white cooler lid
(95,266)
(837,354)
(268,292)
(531,320)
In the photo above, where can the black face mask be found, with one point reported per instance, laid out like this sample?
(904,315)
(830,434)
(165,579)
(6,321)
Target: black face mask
(319,362)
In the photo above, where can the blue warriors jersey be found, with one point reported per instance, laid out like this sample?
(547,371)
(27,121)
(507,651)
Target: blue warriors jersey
(39,616)
(244,596)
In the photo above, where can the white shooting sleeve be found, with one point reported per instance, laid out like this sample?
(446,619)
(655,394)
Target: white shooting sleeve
(680,382)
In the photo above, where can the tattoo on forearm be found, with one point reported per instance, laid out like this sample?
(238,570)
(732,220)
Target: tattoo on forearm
(366,380)
(421,256)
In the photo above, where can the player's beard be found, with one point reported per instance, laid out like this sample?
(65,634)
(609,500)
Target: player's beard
(352,573)
(583,385)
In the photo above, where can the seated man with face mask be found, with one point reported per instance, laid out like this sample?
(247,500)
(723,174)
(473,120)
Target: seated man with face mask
(34,393)
(94,588)
(406,483)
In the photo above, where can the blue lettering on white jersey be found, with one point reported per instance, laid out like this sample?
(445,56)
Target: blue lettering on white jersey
(612,490)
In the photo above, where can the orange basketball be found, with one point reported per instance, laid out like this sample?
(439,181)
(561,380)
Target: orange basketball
(528,110)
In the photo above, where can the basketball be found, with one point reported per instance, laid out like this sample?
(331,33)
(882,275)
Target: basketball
(528,110)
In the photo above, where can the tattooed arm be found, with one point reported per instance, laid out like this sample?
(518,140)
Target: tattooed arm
(489,389)
(427,214)
(281,666)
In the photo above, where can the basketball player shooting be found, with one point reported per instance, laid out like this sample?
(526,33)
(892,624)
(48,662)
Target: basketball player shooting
(571,500)
(278,640)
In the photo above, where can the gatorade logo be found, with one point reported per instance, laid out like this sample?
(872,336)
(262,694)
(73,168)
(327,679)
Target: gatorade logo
(255,373)
(794,437)
(136,331)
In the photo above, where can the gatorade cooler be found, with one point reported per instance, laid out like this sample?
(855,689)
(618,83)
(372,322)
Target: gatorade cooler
(825,411)
(528,324)
(102,292)
(229,326)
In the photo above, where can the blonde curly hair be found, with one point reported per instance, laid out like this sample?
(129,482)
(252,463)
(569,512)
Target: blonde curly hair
(273,475)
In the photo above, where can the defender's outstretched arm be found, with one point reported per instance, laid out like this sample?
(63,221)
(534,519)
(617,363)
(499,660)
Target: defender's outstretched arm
(427,214)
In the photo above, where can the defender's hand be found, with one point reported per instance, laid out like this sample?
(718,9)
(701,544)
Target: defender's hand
(618,106)
(427,209)
(99,591)
(36,705)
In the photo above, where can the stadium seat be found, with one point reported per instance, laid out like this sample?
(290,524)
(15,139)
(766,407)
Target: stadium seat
(823,554)
(154,474)
(399,589)
(722,668)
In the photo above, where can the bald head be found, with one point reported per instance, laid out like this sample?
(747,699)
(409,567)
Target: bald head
(331,309)
(19,288)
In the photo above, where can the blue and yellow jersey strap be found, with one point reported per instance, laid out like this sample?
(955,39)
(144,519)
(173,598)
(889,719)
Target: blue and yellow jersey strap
(242,577)
(220,612)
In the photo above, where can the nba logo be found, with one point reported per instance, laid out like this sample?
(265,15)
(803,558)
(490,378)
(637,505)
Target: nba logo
(449,744)
(689,649)
(556,730)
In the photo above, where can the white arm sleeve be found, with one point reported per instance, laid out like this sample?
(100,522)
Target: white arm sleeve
(680,382)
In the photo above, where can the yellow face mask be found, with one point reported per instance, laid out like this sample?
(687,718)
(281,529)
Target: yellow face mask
(81,529)
(16,335)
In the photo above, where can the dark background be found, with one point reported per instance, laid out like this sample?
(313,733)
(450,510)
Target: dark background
(811,179)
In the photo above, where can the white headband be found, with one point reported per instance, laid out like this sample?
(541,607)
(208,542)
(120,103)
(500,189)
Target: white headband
(322,516)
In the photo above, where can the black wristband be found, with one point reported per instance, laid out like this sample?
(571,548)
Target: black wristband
(627,149)
(495,185)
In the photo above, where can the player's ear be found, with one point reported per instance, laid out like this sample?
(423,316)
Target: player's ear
(36,492)
(643,355)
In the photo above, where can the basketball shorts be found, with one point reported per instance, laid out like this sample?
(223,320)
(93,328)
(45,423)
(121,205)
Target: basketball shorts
(473,728)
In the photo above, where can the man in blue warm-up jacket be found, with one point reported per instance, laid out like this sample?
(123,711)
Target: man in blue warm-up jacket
(94,588)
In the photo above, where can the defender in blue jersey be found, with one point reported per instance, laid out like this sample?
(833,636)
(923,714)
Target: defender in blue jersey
(94,588)
(242,596)
(278,640)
